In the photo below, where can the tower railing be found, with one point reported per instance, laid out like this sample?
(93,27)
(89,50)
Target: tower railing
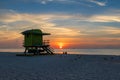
(46,42)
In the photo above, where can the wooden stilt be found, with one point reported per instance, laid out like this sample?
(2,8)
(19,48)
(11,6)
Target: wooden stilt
(25,50)
(36,50)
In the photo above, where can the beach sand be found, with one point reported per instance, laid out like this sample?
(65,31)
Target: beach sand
(59,67)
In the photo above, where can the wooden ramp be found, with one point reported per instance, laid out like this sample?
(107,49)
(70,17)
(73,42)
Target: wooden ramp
(48,50)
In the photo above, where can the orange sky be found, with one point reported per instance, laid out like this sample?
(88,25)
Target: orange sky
(72,31)
(56,42)
(86,43)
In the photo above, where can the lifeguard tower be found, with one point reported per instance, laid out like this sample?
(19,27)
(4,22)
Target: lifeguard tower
(34,43)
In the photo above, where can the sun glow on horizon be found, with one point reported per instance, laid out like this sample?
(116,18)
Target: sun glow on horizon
(60,44)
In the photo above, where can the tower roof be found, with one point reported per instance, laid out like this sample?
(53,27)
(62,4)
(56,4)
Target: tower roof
(34,31)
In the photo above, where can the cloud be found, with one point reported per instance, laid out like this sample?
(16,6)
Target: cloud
(80,2)
(13,23)
(42,18)
(8,16)
(108,16)
(45,2)
(98,2)
(104,18)
(102,32)
(85,3)
(112,30)
(59,25)
(48,1)
(9,35)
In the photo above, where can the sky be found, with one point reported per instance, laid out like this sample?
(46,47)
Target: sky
(72,23)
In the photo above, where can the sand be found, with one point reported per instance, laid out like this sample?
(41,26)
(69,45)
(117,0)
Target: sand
(59,67)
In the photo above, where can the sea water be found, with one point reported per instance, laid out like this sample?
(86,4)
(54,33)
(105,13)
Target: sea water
(90,51)
(76,51)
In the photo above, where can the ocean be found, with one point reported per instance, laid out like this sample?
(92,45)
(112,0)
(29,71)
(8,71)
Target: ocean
(76,51)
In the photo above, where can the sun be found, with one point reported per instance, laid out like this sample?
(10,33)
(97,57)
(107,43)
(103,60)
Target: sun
(60,44)
(60,47)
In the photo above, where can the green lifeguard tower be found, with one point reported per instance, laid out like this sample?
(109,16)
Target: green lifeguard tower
(34,43)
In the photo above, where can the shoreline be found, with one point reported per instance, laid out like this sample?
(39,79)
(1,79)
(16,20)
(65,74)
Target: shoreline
(75,51)
(64,54)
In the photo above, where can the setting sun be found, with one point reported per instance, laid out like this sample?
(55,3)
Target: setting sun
(60,45)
